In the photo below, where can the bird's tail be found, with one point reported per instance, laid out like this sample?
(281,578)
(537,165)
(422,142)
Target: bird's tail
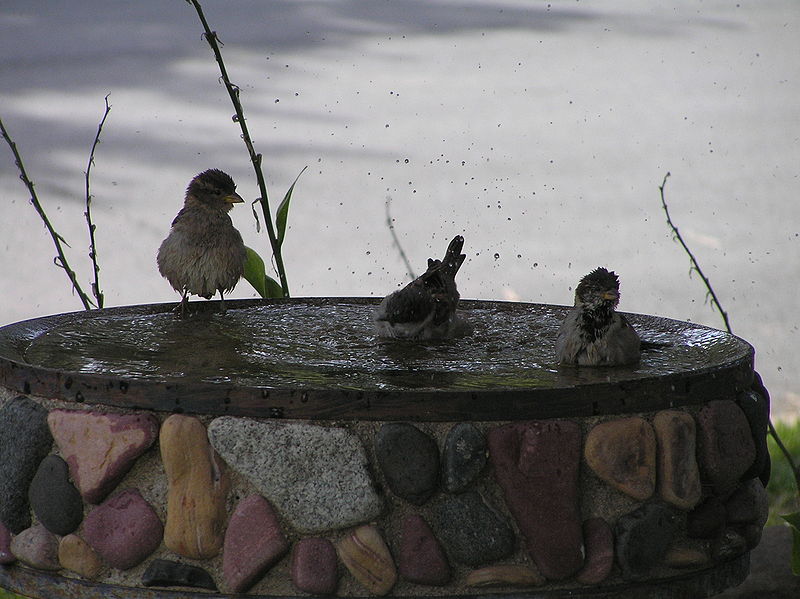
(453,258)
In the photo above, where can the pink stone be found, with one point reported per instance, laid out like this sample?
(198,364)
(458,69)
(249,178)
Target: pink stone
(6,557)
(599,539)
(37,547)
(254,542)
(100,448)
(422,559)
(536,464)
(314,566)
(726,448)
(124,530)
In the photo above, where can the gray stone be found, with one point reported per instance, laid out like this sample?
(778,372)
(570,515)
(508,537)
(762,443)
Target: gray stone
(6,557)
(317,477)
(464,457)
(473,533)
(409,460)
(749,504)
(26,440)
(36,547)
(55,501)
(643,538)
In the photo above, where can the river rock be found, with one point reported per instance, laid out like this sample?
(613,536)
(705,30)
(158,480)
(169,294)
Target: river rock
(749,504)
(314,566)
(37,547)
(74,554)
(318,477)
(464,457)
(123,530)
(678,474)
(409,460)
(473,533)
(686,556)
(599,541)
(254,542)
(763,403)
(169,573)
(421,559)
(755,407)
(55,501)
(507,575)
(198,486)
(101,448)
(6,557)
(366,556)
(536,464)
(706,520)
(725,445)
(622,452)
(729,544)
(643,538)
(25,442)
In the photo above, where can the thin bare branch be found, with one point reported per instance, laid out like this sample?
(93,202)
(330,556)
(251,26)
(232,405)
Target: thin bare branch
(255,158)
(390,225)
(695,264)
(60,260)
(98,295)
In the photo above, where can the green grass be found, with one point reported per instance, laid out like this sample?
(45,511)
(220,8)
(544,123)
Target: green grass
(783,494)
(7,595)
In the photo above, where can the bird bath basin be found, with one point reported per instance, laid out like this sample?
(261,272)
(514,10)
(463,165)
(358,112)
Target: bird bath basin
(302,369)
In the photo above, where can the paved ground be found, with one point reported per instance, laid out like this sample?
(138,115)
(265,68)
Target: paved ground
(770,570)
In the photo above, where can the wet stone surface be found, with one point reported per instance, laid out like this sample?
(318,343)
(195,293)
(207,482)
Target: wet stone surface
(725,446)
(26,440)
(755,407)
(473,533)
(409,460)
(54,500)
(464,457)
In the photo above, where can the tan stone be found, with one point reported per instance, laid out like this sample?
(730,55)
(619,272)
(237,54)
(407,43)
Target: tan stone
(622,452)
(75,554)
(198,487)
(678,473)
(507,575)
(681,556)
(367,557)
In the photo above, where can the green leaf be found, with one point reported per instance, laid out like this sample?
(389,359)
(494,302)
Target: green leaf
(283,211)
(794,524)
(254,272)
(274,288)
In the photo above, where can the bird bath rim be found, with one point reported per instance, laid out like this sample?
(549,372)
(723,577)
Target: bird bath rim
(568,391)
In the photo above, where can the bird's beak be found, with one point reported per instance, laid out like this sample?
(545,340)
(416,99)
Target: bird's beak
(233,198)
(610,295)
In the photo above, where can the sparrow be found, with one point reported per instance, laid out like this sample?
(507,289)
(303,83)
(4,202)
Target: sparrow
(204,253)
(593,334)
(426,307)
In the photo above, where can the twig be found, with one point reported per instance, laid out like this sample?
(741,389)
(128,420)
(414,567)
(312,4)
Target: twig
(715,301)
(695,265)
(98,295)
(255,158)
(61,259)
(396,240)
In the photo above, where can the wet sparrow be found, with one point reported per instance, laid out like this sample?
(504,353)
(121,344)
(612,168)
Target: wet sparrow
(426,307)
(203,252)
(593,334)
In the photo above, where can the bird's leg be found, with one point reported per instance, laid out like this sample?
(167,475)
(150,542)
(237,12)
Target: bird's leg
(222,301)
(181,307)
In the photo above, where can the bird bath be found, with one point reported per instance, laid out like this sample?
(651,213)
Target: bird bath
(302,367)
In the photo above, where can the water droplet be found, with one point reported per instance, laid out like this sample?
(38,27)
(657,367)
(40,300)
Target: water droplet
(497,256)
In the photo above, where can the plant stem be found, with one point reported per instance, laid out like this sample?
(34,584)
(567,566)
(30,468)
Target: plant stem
(255,158)
(715,301)
(396,240)
(61,259)
(98,295)
(695,265)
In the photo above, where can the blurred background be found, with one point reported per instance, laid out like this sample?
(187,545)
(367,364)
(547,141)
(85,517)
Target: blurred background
(540,131)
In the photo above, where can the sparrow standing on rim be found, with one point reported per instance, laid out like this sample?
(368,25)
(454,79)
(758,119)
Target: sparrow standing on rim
(593,334)
(426,307)
(204,253)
